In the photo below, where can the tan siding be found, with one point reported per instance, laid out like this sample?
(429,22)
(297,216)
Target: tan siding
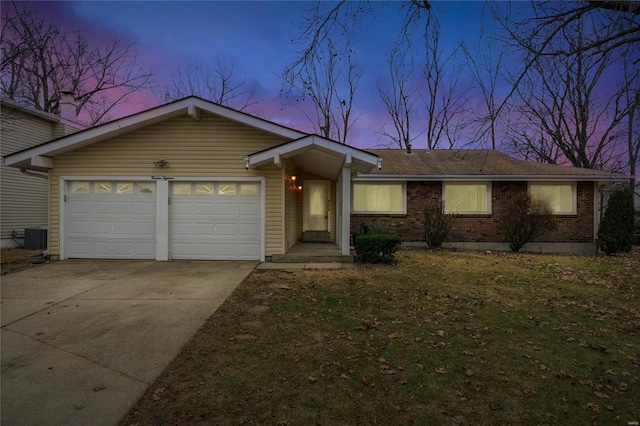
(23,198)
(211,146)
(293,229)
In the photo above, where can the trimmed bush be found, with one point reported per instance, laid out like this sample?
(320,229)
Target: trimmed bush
(376,248)
(525,219)
(616,229)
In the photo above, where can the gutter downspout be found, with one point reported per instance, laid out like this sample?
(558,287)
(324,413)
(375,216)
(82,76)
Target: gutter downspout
(29,173)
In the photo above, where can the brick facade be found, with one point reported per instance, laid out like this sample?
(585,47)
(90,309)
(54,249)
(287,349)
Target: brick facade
(576,228)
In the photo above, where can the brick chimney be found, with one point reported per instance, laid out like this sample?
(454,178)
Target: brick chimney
(67,106)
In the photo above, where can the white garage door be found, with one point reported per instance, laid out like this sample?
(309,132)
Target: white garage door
(111,220)
(215,220)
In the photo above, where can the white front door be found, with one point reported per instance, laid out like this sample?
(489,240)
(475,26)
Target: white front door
(316,205)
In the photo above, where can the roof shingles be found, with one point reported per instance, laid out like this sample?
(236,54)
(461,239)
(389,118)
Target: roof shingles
(471,162)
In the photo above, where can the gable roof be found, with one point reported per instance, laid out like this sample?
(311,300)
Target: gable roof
(190,105)
(315,154)
(473,164)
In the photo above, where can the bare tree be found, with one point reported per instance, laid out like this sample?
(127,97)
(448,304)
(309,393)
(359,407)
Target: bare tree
(618,26)
(566,99)
(444,98)
(484,62)
(399,97)
(329,81)
(631,94)
(40,61)
(216,83)
(327,20)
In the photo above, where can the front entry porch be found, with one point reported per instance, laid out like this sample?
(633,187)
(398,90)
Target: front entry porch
(316,195)
(313,253)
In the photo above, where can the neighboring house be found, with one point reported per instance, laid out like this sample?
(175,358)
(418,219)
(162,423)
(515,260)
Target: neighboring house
(196,180)
(24,194)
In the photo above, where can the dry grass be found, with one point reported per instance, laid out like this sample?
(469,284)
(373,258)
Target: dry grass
(17,259)
(443,337)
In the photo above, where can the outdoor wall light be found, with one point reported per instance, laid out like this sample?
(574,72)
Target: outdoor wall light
(161,163)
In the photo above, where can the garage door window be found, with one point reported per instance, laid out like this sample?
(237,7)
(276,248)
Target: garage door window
(146,188)
(80,187)
(249,189)
(204,189)
(227,189)
(181,188)
(124,188)
(102,188)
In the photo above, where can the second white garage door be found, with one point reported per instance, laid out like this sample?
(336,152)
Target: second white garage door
(215,220)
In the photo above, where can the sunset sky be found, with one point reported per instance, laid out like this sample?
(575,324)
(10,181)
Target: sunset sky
(258,37)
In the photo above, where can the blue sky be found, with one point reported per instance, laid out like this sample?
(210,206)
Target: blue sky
(258,36)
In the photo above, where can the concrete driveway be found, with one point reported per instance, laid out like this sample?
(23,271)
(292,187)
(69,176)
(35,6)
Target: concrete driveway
(82,340)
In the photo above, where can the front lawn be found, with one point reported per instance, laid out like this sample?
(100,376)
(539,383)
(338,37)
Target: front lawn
(443,337)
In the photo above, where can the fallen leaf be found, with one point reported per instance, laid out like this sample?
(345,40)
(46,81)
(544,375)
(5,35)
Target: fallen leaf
(364,381)
(394,335)
(591,406)
(312,379)
(441,370)
(468,373)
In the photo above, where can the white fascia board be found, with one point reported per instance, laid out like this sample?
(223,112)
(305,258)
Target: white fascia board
(298,146)
(383,177)
(144,118)
(43,162)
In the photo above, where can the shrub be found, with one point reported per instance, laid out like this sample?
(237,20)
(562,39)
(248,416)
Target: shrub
(372,228)
(376,248)
(616,229)
(637,231)
(525,219)
(437,223)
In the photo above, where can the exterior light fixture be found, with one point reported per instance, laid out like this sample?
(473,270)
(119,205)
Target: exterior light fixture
(161,163)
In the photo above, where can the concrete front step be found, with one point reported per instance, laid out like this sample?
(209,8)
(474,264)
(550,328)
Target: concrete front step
(300,258)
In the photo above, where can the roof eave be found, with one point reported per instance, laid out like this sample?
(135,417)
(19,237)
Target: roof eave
(390,177)
(123,125)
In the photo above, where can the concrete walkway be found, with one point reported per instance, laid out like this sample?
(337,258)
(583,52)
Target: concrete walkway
(82,340)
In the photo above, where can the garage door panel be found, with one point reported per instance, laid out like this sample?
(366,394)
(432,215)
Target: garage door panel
(220,217)
(248,230)
(103,207)
(227,208)
(112,225)
(250,210)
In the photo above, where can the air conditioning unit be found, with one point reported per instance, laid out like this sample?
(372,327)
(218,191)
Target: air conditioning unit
(35,238)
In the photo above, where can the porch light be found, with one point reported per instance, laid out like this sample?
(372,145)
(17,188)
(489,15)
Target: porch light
(293,178)
(299,187)
(161,163)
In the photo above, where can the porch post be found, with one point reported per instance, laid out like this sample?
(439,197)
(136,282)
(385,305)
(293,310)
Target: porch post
(345,228)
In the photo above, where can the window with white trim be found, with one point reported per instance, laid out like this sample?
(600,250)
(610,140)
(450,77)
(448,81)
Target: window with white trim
(467,197)
(561,196)
(379,197)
